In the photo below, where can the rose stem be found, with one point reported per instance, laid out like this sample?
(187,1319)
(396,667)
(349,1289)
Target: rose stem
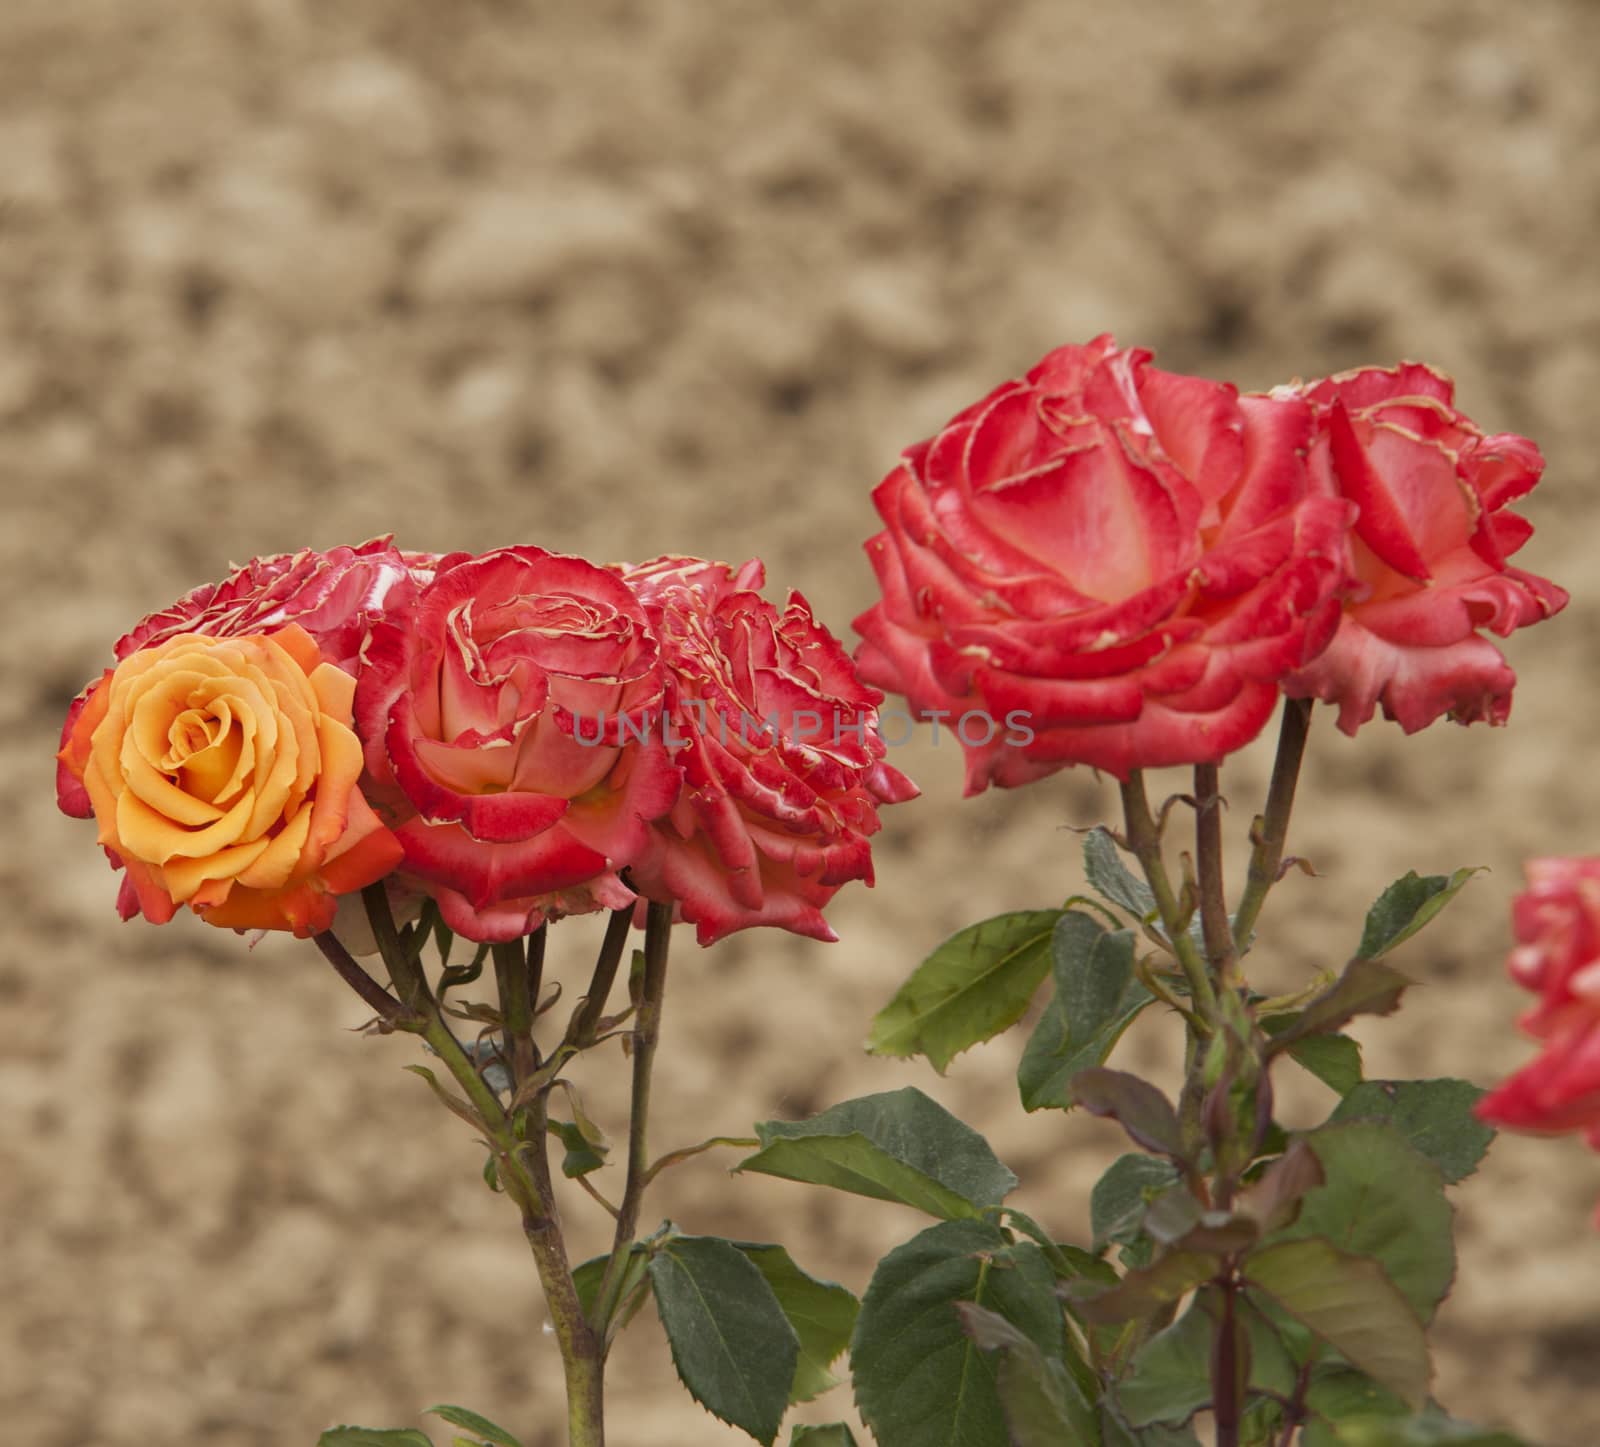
(646,1032)
(405,969)
(535,945)
(523,1166)
(1213,898)
(587,1020)
(388,1008)
(1271,830)
(516,1009)
(1225,1366)
(1145,841)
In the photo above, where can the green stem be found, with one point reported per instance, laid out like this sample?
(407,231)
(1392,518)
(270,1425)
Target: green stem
(521,1163)
(524,1170)
(516,1010)
(1208,863)
(1144,839)
(646,1033)
(535,944)
(1271,829)
(587,1019)
(405,969)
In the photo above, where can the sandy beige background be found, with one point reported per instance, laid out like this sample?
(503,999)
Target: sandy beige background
(623,278)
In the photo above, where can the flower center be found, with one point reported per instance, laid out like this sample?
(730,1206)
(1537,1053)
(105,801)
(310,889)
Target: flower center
(203,751)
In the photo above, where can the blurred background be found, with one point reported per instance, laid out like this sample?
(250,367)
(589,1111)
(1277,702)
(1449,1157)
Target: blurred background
(628,278)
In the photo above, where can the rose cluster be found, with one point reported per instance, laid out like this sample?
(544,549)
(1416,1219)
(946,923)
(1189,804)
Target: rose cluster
(518,735)
(1141,562)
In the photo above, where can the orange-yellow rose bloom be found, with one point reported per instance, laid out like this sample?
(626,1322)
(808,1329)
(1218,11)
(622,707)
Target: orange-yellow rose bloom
(223,773)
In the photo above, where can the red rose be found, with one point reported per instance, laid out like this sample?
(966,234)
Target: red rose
(777,738)
(510,718)
(1559,1090)
(335,596)
(1557,921)
(1123,561)
(1429,549)
(1557,956)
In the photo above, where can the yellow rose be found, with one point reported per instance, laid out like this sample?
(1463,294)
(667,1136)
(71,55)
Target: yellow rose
(223,773)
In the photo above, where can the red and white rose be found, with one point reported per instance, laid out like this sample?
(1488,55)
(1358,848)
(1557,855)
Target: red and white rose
(778,742)
(1128,559)
(1429,550)
(508,720)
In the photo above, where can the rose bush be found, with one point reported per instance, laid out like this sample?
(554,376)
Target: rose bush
(1429,549)
(778,742)
(510,717)
(1128,559)
(1557,921)
(224,774)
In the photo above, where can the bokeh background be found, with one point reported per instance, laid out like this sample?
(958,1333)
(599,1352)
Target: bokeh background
(625,278)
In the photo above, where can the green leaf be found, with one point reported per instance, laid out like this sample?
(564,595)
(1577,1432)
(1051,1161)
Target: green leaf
(1380,1198)
(1274,1200)
(976,984)
(822,1313)
(897,1146)
(1434,1115)
(1135,1104)
(1144,1291)
(1261,1423)
(1405,906)
(1110,877)
(588,1275)
(1352,1305)
(373,1437)
(1334,1059)
(452,1102)
(920,1381)
(1113,880)
(1169,1379)
(461,1417)
(1096,999)
(1071,1263)
(731,1343)
(1431,1428)
(831,1434)
(1338,1391)
(1367,987)
(1067,1261)
(1042,1404)
(1120,1197)
(582,1156)
(1114,1432)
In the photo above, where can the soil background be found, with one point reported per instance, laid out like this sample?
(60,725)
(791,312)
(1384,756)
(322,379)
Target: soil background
(629,278)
